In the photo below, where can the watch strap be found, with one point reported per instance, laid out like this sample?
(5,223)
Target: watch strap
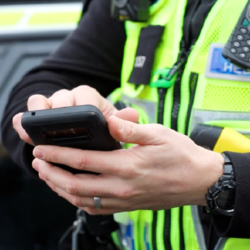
(225,183)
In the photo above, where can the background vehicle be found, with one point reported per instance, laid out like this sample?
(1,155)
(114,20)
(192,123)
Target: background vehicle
(29,32)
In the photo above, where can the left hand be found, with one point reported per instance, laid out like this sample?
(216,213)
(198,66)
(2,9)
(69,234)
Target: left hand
(165,169)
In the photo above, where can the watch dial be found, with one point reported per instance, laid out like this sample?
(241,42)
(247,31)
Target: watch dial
(225,199)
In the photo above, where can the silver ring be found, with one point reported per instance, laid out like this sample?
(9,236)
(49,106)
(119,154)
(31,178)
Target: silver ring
(97,202)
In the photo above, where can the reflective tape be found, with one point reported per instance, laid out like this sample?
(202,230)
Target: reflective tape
(203,116)
(149,107)
(220,244)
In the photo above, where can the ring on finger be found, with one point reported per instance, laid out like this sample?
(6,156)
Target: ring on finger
(97,202)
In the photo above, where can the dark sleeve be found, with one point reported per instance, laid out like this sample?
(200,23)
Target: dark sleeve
(91,55)
(237,226)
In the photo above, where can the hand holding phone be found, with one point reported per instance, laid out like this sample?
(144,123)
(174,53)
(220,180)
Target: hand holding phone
(82,127)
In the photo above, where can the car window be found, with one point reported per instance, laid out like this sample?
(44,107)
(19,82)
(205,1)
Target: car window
(33,1)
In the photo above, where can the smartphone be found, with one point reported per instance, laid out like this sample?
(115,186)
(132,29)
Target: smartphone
(82,127)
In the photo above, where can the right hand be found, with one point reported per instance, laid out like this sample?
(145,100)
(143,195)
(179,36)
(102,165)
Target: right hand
(64,98)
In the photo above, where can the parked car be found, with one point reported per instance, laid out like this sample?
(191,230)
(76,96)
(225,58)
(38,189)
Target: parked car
(31,215)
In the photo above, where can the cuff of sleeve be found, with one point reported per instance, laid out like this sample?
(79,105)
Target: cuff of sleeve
(237,226)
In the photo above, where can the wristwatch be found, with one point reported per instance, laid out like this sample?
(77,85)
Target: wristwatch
(221,195)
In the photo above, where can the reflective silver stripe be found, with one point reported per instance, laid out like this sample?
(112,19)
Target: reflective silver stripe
(201,116)
(148,106)
(244,133)
(221,243)
(198,228)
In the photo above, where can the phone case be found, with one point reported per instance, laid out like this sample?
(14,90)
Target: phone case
(82,127)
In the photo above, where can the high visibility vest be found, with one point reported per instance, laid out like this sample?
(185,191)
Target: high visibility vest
(212,90)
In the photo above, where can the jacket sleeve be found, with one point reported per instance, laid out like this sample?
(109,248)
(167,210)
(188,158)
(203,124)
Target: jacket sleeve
(237,226)
(91,55)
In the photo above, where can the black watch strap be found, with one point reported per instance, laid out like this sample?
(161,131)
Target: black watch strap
(221,195)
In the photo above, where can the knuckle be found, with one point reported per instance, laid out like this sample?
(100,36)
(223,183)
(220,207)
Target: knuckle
(58,94)
(122,172)
(96,192)
(43,173)
(84,88)
(80,162)
(132,130)
(61,98)
(161,133)
(53,188)
(71,188)
(161,130)
(54,157)
(125,193)
(33,99)
(133,168)
(76,201)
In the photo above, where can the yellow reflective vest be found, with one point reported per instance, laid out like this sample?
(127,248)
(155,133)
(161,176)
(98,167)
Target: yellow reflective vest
(211,90)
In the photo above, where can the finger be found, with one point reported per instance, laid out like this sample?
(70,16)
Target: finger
(85,95)
(108,205)
(128,114)
(38,102)
(94,161)
(83,184)
(129,132)
(17,125)
(62,98)
(81,201)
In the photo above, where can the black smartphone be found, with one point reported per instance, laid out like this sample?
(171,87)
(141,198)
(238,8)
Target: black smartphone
(82,127)
(237,49)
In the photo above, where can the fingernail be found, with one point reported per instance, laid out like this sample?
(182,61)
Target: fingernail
(38,153)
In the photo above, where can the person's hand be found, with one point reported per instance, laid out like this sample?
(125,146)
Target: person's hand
(64,98)
(164,169)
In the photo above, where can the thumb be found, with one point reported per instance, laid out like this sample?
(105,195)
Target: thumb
(129,132)
(128,114)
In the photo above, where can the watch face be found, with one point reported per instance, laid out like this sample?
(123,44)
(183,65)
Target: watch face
(225,200)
